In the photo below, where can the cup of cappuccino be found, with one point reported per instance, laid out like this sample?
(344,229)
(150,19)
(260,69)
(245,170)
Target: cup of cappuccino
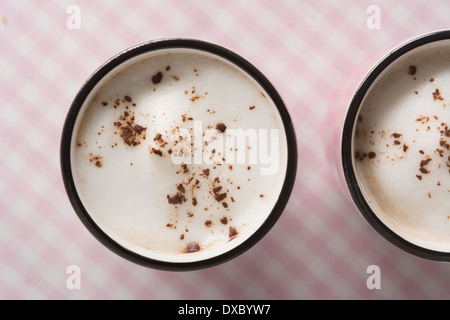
(178,154)
(395,146)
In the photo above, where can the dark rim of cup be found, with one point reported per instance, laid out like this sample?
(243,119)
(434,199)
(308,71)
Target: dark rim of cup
(102,71)
(346,147)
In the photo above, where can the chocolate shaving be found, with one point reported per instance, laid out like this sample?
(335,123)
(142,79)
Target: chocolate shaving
(157,78)
(424,162)
(130,132)
(221,197)
(157,152)
(437,95)
(221,127)
(181,188)
(176,199)
(192,247)
(232,233)
(423,170)
(405,148)
(138,129)
(412,70)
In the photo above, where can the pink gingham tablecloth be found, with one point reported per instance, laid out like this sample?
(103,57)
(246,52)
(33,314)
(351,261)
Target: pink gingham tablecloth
(312,51)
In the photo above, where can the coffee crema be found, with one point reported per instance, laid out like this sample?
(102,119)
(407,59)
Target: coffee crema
(148,165)
(401,143)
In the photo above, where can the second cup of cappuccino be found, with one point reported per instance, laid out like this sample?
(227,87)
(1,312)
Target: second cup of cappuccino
(396,147)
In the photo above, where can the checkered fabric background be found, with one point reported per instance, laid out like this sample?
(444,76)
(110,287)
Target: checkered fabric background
(314,52)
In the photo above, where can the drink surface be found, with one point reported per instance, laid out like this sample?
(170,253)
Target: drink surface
(179,155)
(401,146)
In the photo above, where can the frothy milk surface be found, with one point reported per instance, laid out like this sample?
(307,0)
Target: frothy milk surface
(137,126)
(401,146)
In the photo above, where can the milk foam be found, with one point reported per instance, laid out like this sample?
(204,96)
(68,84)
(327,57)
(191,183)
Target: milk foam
(122,156)
(404,121)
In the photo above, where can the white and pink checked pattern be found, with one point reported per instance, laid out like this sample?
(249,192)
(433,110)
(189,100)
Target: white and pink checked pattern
(312,51)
